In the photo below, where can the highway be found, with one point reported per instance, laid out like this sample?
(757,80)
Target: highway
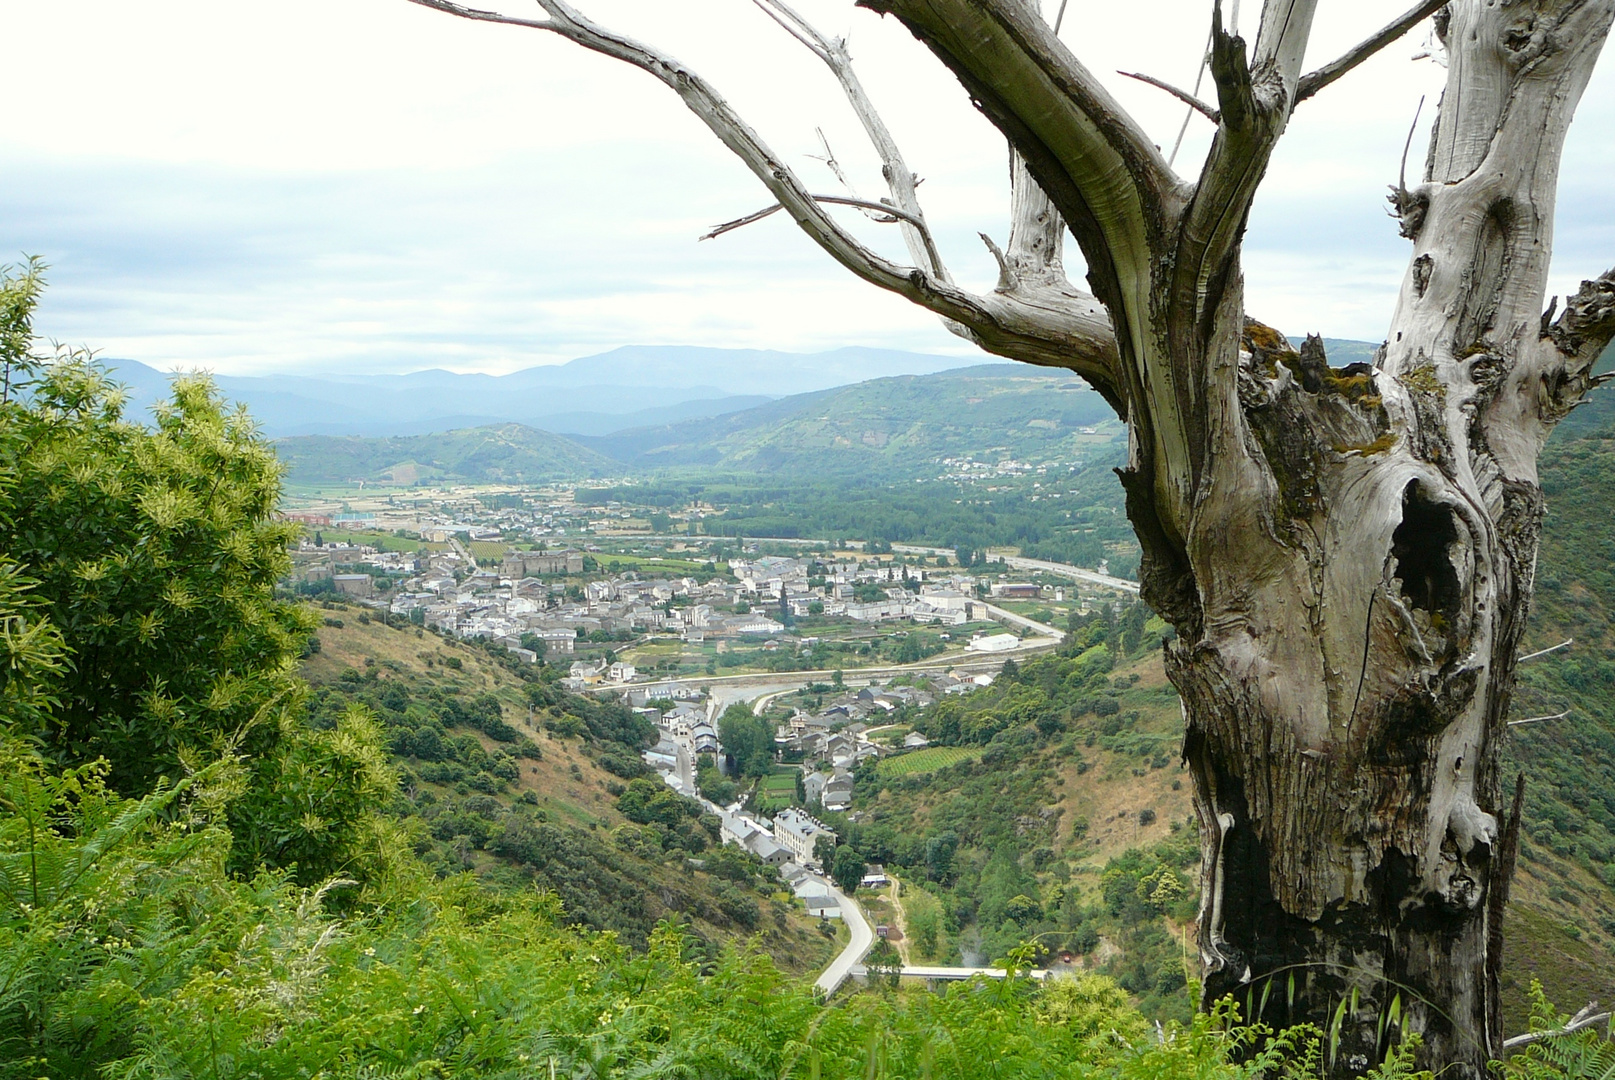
(1015,562)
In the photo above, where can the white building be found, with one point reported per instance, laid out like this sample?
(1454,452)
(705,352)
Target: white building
(799,833)
(558,640)
(994,643)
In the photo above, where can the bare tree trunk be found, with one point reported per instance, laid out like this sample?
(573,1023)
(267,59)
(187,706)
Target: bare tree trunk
(1363,548)
(1346,554)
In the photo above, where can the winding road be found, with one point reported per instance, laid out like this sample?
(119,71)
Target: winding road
(863,938)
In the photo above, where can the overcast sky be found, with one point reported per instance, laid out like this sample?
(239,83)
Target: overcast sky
(364,185)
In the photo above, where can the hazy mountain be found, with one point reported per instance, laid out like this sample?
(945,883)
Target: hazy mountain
(899,424)
(629,387)
(1343,351)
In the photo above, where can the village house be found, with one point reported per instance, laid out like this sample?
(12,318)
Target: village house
(837,795)
(352,584)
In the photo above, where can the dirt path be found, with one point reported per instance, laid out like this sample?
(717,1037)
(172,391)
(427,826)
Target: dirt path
(900,917)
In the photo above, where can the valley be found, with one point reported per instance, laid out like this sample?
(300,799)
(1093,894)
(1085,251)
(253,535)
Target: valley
(1045,789)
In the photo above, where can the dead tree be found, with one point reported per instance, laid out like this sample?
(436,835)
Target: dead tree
(1346,554)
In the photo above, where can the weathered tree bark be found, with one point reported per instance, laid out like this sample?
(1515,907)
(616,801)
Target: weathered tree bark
(1346,554)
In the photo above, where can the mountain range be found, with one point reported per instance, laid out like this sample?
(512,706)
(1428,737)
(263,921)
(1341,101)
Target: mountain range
(896,417)
(990,412)
(630,387)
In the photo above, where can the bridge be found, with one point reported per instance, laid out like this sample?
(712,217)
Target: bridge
(940,973)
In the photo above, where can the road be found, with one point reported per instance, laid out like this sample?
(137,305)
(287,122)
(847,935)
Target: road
(686,767)
(728,694)
(1015,562)
(726,690)
(1041,629)
(862,939)
(1076,573)
(761,705)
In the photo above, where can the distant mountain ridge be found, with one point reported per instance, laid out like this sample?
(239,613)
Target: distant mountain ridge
(993,411)
(634,386)
(898,424)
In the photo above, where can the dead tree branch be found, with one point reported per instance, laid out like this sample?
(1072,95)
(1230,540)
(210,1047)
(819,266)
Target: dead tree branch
(900,180)
(1006,276)
(1076,336)
(740,222)
(1098,166)
(1539,719)
(881,212)
(1314,81)
(1567,642)
(1586,1018)
(1182,95)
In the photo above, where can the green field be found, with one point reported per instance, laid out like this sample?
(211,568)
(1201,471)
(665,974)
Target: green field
(930,759)
(379,540)
(617,563)
(779,786)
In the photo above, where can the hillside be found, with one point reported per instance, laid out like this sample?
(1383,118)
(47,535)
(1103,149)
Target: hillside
(502,453)
(990,412)
(522,785)
(897,427)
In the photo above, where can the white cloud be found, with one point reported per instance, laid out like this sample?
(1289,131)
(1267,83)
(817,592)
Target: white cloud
(372,186)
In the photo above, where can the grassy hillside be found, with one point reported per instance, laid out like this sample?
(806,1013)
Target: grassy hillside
(499,453)
(524,785)
(1567,869)
(989,412)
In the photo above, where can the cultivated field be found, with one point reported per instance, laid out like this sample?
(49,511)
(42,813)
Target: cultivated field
(930,759)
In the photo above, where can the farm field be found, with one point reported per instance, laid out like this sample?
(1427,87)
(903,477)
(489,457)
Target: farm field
(930,759)
(649,563)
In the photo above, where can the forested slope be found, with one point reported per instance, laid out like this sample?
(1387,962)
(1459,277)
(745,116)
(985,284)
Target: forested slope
(504,775)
